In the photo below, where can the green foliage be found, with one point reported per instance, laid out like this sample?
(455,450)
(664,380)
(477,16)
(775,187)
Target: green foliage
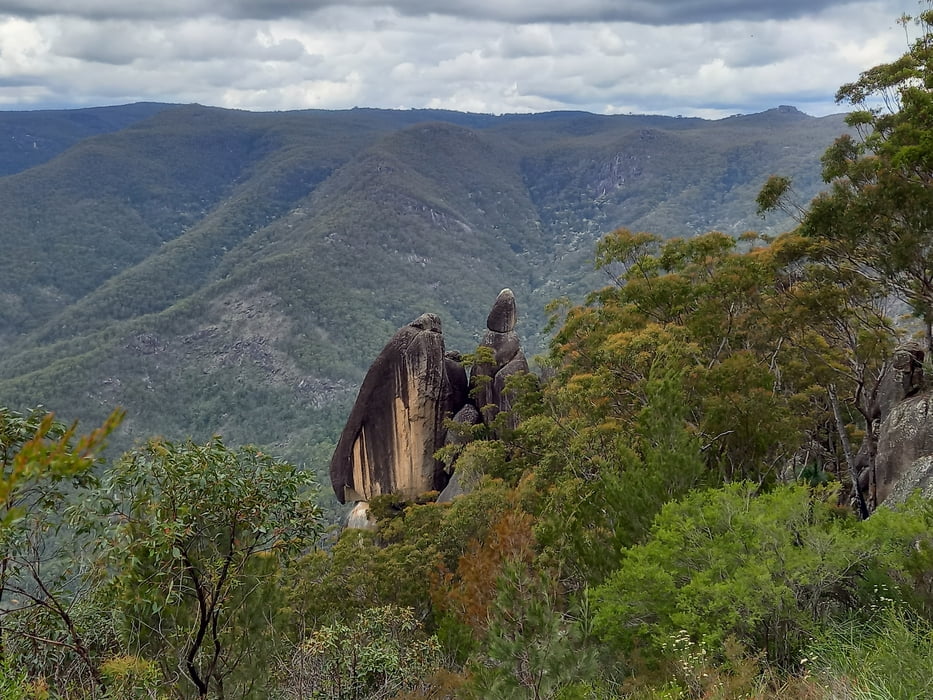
(532,650)
(398,564)
(129,678)
(44,469)
(765,569)
(382,653)
(217,295)
(194,267)
(704,310)
(199,530)
(876,216)
(359,572)
(585,515)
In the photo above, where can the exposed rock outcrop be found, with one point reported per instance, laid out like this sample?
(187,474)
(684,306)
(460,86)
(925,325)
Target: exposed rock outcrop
(918,476)
(905,436)
(397,423)
(504,314)
(459,434)
(452,490)
(487,380)
(359,519)
(904,378)
(897,436)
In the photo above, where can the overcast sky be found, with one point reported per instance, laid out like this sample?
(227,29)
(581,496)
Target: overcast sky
(708,58)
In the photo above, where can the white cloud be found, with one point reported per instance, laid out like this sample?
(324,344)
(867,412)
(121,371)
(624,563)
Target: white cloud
(478,56)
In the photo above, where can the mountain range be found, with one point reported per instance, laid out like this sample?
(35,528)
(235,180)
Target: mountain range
(221,271)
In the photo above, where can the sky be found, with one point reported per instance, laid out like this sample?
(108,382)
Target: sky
(705,58)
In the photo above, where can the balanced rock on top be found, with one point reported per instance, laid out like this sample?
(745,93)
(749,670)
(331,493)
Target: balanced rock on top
(487,380)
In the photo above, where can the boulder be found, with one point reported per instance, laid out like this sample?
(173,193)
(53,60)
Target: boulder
(397,422)
(482,377)
(918,476)
(486,385)
(452,490)
(503,398)
(467,416)
(458,386)
(503,315)
(504,345)
(903,378)
(905,436)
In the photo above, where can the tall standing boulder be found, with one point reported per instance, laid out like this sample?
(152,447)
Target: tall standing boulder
(397,422)
(488,379)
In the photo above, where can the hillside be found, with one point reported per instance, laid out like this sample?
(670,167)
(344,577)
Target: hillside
(30,138)
(224,271)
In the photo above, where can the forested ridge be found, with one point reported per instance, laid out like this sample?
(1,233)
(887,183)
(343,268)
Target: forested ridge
(690,501)
(219,271)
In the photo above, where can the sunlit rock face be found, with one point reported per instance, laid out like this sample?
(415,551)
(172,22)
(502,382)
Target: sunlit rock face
(397,423)
(359,519)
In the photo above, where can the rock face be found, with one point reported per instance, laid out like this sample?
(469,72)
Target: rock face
(905,436)
(919,475)
(397,423)
(358,519)
(904,378)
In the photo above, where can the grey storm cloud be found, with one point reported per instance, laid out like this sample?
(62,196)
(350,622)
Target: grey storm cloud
(651,12)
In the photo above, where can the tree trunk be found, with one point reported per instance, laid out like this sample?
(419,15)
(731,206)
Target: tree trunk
(847,451)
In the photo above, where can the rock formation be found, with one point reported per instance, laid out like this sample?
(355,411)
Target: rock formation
(397,422)
(414,386)
(903,413)
(487,380)
(904,378)
(918,476)
(905,436)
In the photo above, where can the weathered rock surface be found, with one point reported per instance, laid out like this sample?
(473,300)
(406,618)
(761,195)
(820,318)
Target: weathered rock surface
(458,386)
(359,519)
(468,415)
(452,490)
(465,417)
(898,435)
(503,315)
(518,365)
(919,475)
(505,346)
(904,378)
(905,436)
(397,422)
(488,380)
